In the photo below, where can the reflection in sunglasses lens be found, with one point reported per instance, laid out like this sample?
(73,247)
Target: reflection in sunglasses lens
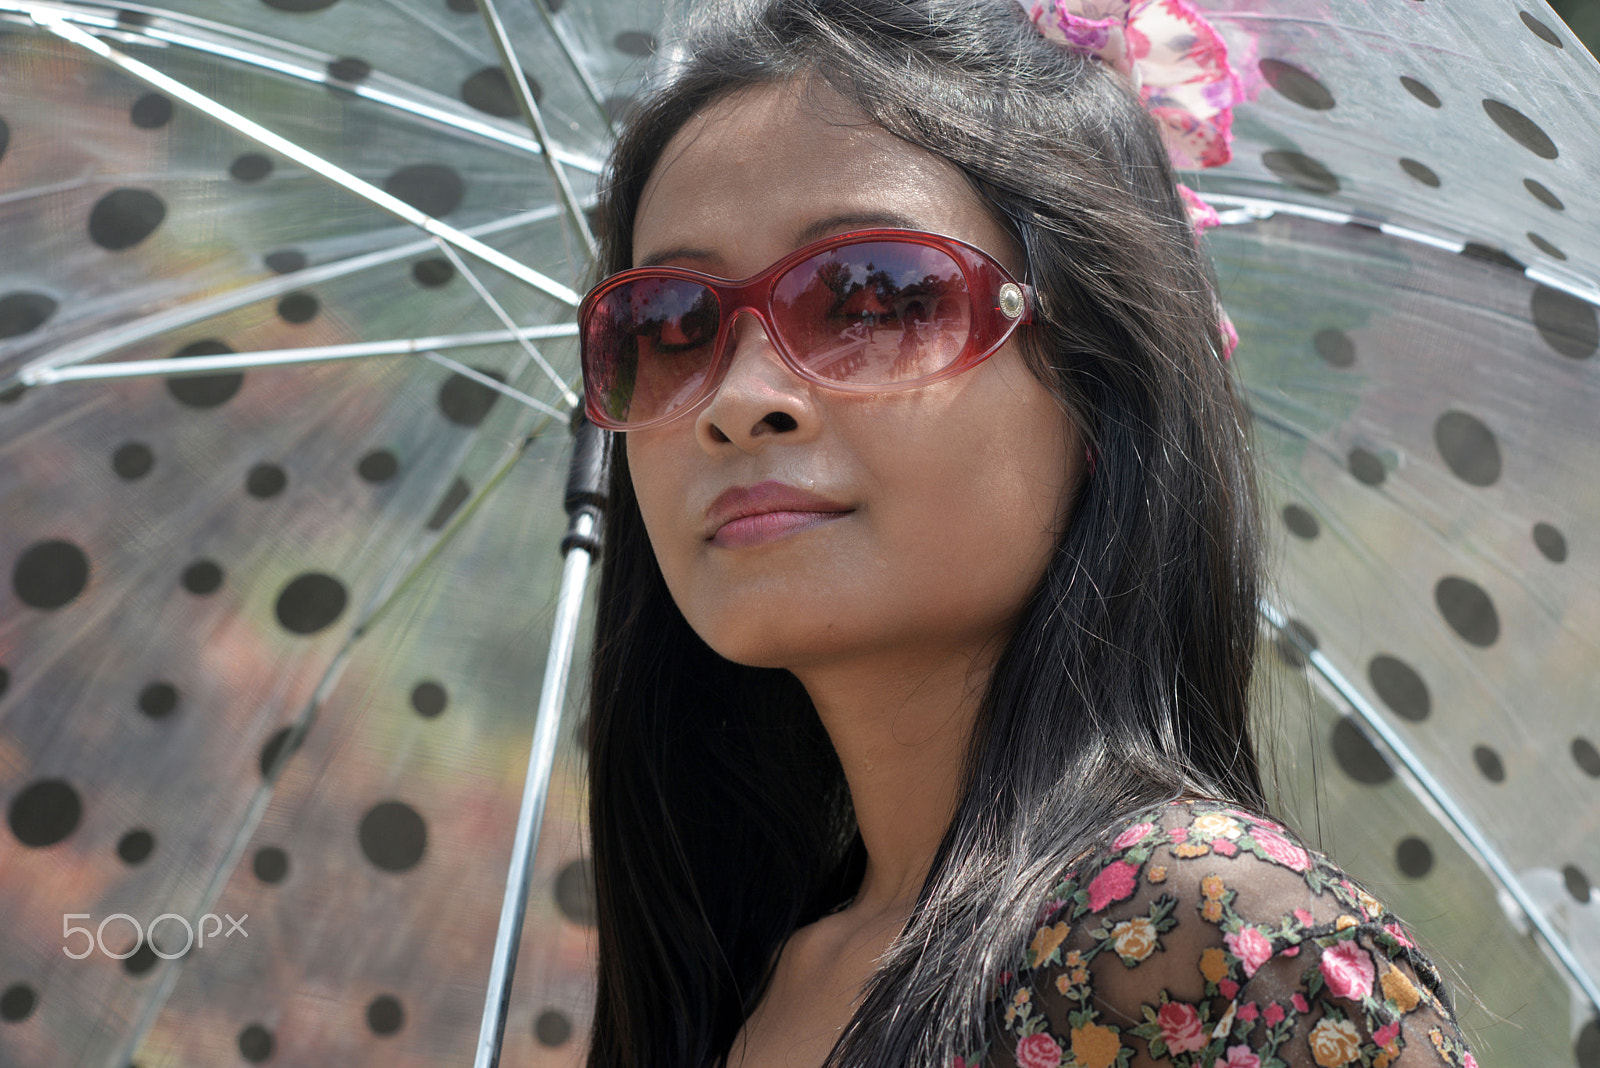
(874,313)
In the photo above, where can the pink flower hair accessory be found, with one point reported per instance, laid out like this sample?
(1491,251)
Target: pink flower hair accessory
(1178,64)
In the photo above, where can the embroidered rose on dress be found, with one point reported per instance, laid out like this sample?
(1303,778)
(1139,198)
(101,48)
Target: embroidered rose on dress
(1280,849)
(1180,1027)
(1113,884)
(1251,947)
(1334,1043)
(1038,1051)
(1348,970)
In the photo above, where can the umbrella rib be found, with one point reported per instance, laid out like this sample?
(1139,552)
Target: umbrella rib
(1463,827)
(500,313)
(467,124)
(495,384)
(535,120)
(564,42)
(245,361)
(61,27)
(107,341)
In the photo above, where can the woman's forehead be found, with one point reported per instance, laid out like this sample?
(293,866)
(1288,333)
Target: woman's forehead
(750,178)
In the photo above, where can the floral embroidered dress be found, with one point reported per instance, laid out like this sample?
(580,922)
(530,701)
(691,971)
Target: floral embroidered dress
(1206,937)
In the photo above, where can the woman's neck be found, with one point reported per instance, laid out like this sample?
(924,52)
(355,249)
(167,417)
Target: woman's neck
(901,726)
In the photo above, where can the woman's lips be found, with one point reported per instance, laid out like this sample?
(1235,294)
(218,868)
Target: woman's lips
(752,515)
(768,526)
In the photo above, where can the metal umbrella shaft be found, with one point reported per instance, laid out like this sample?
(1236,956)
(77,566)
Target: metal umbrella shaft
(585,500)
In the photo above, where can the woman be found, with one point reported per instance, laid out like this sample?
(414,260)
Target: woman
(930,584)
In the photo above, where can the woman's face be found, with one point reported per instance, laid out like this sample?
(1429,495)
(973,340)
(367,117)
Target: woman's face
(924,517)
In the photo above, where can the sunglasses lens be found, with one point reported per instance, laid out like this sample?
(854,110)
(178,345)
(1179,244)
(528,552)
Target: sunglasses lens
(875,313)
(647,345)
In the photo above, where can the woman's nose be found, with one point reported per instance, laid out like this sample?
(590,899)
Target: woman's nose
(759,397)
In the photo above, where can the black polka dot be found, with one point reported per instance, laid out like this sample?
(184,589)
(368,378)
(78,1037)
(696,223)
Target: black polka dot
(1413,857)
(250,167)
(490,91)
(1420,91)
(1300,171)
(432,188)
(453,498)
(136,846)
(270,864)
(1295,637)
(465,402)
(348,69)
(45,812)
(310,602)
(575,893)
(265,480)
(380,465)
(1297,85)
(552,1028)
(1489,764)
(5,681)
(141,960)
(158,700)
(1421,172)
(1468,447)
(17,1003)
(124,217)
(299,6)
(433,272)
(1541,31)
(285,261)
(1586,756)
(12,395)
(1586,1050)
(255,1041)
(1551,542)
(1367,467)
(1477,250)
(150,112)
(463,7)
(132,20)
(272,751)
(202,577)
(1335,347)
(1544,246)
(393,837)
(554,5)
(634,43)
(1543,195)
(385,1015)
(5,138)
(132,460)
(204,391)
(1301,523)
(1567,324)
(1399,686)
(429,699)
(1468,610)
(1357,756)
(1521,129)
(1577,883)
(50,574)
(24,312)
(298,308)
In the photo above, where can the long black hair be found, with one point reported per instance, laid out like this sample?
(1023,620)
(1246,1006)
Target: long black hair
(719,815)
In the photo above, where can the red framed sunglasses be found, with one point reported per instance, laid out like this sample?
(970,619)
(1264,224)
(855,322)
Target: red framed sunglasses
(865,312)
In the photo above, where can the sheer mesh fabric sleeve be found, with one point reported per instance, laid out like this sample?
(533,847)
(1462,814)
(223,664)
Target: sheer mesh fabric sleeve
(1206,937)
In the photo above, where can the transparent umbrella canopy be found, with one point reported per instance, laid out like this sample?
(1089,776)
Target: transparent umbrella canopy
(272,634)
